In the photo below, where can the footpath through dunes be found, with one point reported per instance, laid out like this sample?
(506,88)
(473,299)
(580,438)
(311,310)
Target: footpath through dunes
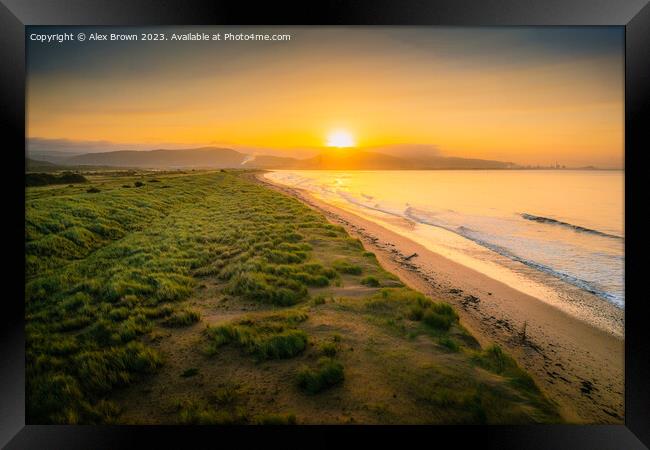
(208,298)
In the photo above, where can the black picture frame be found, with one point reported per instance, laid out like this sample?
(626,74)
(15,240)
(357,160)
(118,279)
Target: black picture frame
(634,15)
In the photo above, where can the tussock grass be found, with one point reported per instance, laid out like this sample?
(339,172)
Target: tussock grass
(269,337)
(437,315)
(370,281)
(346,267)
(327,373)
(194,412)
(197,413)
(267,288)
(182,318)
(225,395)
(328,349)
(106,271)
(449,344)
(496,360)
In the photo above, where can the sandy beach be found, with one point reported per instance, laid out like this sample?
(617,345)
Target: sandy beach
(578,365)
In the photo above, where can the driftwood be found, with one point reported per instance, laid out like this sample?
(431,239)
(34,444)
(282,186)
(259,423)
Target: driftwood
(409,257)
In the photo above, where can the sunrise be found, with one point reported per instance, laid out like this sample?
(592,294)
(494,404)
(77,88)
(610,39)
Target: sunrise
(513,95)
(325,225)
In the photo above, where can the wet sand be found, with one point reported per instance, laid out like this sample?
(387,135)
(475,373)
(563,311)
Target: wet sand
(578,365)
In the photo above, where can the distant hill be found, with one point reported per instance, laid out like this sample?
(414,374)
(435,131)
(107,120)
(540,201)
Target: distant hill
(271,162)
(43,179)
(361,160)
(452,162)
(354,160)
(225,158)
(35,165)
(205,157)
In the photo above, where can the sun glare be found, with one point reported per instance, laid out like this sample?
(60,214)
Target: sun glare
(340,139)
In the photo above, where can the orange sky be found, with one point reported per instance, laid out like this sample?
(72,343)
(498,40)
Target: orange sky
(503,94)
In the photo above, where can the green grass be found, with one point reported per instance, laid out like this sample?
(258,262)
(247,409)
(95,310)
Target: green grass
(496,360)
(198,413)
(327,374)
(225,395)
(182,318)
(328,349)
(269,337)
(194,412)
(449,344)
(107,272)
(370,281)
(347,267)
(437,315)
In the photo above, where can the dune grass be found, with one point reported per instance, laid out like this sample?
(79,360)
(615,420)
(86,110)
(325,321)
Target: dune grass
(269,337)
(327,373)
(107,271)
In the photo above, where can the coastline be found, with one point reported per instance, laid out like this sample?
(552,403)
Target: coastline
(578,365)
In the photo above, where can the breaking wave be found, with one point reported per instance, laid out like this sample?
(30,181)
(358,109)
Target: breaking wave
(578,228)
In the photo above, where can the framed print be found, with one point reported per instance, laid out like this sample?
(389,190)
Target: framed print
(338,218)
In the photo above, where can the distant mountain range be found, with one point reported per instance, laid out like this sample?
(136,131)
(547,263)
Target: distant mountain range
(225,158)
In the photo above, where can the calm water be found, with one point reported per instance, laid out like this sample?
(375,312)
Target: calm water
(537,229)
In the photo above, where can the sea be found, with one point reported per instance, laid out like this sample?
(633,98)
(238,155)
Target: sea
(540,231)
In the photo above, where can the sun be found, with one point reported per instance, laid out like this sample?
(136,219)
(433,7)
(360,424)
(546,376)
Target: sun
(340,139)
